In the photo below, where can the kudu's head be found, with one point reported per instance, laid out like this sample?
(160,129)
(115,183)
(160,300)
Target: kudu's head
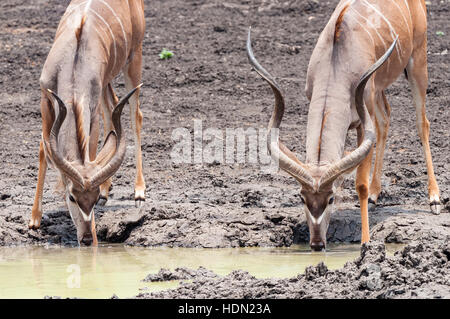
(318,182)
(82,179)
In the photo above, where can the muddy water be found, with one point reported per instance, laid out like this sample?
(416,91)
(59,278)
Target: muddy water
(35,272)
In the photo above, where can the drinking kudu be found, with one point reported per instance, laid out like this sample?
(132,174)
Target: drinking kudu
(366,46)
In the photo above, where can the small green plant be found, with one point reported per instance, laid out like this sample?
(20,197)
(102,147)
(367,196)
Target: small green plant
(165,54)
(440,33)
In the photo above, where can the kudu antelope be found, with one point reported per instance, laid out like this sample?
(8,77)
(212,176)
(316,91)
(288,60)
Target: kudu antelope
(94,41)
(362,37)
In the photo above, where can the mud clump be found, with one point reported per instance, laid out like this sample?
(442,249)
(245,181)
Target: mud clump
(180,273)
(419,270)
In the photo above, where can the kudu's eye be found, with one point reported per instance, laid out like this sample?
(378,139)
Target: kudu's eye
(331,200)
(72,199)
(302,199)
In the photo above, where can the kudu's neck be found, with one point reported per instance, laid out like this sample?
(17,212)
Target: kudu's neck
(329,118)
(332,75)
(82,100)
(79,85)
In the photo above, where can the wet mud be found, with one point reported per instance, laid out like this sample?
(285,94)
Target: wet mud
(420,270)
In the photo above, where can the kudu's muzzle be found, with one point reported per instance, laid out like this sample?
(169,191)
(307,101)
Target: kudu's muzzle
(86,240)
(317,245)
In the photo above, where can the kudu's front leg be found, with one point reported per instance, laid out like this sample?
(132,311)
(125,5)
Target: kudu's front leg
(362,188)
(108,102)
(133,74)
(36,211)
(48,117)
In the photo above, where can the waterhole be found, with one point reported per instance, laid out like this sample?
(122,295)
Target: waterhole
(36,272)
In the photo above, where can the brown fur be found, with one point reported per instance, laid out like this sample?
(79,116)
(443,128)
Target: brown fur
(321,132)
(82,140)
(79,31)
(78,108)
(338,27)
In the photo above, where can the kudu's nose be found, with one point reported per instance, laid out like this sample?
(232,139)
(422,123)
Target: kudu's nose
(86,240)
(317,245)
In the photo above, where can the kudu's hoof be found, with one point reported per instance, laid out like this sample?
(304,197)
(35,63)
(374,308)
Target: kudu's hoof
(435,207)
(34,223)
(102,201)
(139,202)
(372,205)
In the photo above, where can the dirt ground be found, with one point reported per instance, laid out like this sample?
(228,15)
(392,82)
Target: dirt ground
(209,78)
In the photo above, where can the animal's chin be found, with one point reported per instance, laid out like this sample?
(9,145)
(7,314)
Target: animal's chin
(86,239)
(82,244)
(318,246)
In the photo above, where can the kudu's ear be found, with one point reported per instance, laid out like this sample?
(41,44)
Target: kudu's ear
(108,149)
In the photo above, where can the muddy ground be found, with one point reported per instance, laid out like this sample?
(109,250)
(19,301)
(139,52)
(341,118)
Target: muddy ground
(420,270)
(209,78)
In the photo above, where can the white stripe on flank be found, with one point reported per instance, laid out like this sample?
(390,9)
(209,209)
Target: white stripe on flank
(121,25)
(404,18)
(376,31)
(365,29)
(393,33)
(372,26)
(102,31)
(407,5)
(111,32)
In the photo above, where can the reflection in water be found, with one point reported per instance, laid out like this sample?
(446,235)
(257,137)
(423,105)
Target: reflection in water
(35,272)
